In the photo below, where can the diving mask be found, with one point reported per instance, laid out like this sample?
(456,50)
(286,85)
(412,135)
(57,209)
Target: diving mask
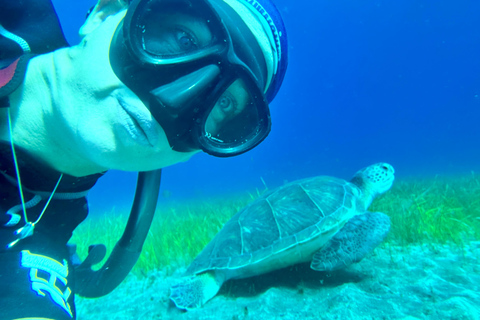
(199,69)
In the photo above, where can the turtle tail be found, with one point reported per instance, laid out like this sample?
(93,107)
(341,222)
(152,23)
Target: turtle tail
(193,292)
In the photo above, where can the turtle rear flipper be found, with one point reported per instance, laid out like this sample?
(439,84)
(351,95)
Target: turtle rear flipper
(353,242)
(193,292)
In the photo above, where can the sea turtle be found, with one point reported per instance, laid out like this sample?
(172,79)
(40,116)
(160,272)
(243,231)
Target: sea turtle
(322,219)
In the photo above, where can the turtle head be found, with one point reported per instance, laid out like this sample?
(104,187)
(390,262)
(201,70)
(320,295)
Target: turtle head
(374,180)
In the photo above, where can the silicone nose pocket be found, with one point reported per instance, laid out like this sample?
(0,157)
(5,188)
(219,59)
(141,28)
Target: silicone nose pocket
(177,96)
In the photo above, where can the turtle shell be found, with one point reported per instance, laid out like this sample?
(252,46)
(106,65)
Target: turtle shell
(285,217)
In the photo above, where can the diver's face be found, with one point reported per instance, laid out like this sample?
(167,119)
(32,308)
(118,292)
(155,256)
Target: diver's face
(110,125)
(107,122)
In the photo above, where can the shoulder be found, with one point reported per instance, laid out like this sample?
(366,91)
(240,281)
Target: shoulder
(27,28)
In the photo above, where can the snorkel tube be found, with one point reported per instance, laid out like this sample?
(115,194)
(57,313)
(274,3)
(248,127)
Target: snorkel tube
(94,284)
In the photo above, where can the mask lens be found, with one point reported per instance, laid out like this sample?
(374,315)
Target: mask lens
(166,30)
(238,118)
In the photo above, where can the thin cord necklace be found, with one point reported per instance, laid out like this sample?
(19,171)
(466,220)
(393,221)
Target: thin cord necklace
(29,227)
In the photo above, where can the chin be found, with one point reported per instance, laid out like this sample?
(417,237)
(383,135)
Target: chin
(148,162)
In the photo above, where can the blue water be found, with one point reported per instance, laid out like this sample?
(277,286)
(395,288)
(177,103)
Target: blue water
(368,81)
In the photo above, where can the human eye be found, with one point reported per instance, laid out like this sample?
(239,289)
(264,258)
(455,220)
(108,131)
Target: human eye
(185,39)
(227,103)
(168,39)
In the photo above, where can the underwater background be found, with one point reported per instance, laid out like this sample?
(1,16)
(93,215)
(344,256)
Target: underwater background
(368,81)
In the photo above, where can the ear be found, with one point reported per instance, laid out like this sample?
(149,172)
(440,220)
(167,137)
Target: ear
(100,12)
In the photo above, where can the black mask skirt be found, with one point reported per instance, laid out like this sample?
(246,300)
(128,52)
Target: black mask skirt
(199,69)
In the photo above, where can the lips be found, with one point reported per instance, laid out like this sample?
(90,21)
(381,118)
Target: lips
(139,124)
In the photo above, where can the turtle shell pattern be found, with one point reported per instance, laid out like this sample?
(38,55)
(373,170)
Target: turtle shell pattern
(285,217)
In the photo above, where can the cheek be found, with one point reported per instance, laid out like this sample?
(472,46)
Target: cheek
(92,89)
(96,75)
(92,62)
(96,124)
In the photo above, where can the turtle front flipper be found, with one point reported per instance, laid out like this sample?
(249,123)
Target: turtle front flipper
(353,242)
(193,292)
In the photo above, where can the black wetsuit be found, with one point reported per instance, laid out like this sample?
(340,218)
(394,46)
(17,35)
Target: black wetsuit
(32,283)
(36,275)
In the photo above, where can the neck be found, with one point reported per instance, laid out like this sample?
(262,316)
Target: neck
(36,126)
(367,196)
(367,199)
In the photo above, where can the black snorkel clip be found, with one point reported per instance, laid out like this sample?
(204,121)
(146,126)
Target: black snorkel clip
(94,284)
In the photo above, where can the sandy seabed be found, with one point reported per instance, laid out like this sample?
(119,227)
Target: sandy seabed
(414,282)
